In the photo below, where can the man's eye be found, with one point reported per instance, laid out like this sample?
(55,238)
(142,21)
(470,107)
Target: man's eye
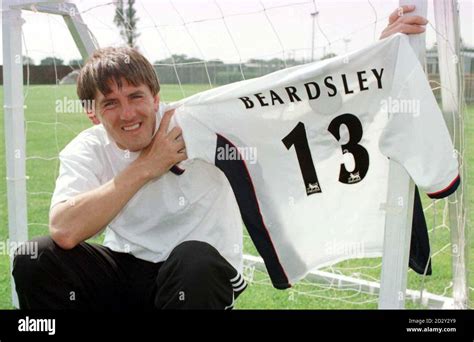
(137,96)
(109,104)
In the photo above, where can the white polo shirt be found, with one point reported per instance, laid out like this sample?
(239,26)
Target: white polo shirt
(196,205)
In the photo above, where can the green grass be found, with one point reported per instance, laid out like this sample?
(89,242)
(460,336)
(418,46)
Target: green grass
(46,139)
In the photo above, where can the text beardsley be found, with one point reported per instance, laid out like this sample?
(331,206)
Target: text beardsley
(312,90)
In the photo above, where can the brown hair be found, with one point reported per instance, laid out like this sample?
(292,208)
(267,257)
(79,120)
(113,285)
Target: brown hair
(113,64)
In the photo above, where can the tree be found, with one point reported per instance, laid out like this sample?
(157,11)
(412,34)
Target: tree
(126,20)
(329,55)
(178,59)
(28,60)
(463,47)
(52,61)
(257,61)
(76,63)
(276,62)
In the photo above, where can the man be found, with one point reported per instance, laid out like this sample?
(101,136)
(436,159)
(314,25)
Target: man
(173,239)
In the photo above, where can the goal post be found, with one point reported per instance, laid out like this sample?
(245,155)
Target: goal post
(392,290)
(450,68)
(14,129)
(15,138)
(397,234)
(399,208)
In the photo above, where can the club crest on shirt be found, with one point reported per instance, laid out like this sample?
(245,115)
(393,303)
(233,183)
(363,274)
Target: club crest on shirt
(354,178)
(313,188)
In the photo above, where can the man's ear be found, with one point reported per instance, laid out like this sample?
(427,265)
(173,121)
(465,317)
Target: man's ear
(92,117)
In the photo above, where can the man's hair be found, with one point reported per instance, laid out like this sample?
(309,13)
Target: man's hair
(113,64)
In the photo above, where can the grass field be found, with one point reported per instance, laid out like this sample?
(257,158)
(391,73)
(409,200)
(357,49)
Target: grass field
(45,139)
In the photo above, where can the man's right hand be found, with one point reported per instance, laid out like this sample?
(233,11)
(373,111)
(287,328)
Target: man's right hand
(165,150)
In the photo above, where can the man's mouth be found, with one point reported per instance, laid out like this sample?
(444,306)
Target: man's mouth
(133,127)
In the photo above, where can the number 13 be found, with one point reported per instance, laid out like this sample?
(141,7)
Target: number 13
(297,137)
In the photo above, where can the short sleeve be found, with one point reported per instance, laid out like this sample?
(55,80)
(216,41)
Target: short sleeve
(78,172)
(200,140)
(416,135)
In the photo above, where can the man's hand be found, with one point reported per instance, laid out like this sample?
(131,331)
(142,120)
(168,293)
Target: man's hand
(164,151)
(398,22)
(77,219)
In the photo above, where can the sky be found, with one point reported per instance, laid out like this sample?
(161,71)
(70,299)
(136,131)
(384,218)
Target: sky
(230,30)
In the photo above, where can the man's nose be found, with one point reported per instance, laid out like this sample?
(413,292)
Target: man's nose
(128,113)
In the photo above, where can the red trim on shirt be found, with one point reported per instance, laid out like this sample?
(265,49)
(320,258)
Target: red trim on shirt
(445,189)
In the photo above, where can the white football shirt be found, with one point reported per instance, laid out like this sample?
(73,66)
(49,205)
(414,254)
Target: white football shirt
(197,205)
(306,151)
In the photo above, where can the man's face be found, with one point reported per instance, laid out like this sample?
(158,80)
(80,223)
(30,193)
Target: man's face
(128,114)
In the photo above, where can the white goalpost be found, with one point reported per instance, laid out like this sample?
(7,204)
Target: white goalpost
(399,208)
(14,104)
(447,23)
(390,290)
